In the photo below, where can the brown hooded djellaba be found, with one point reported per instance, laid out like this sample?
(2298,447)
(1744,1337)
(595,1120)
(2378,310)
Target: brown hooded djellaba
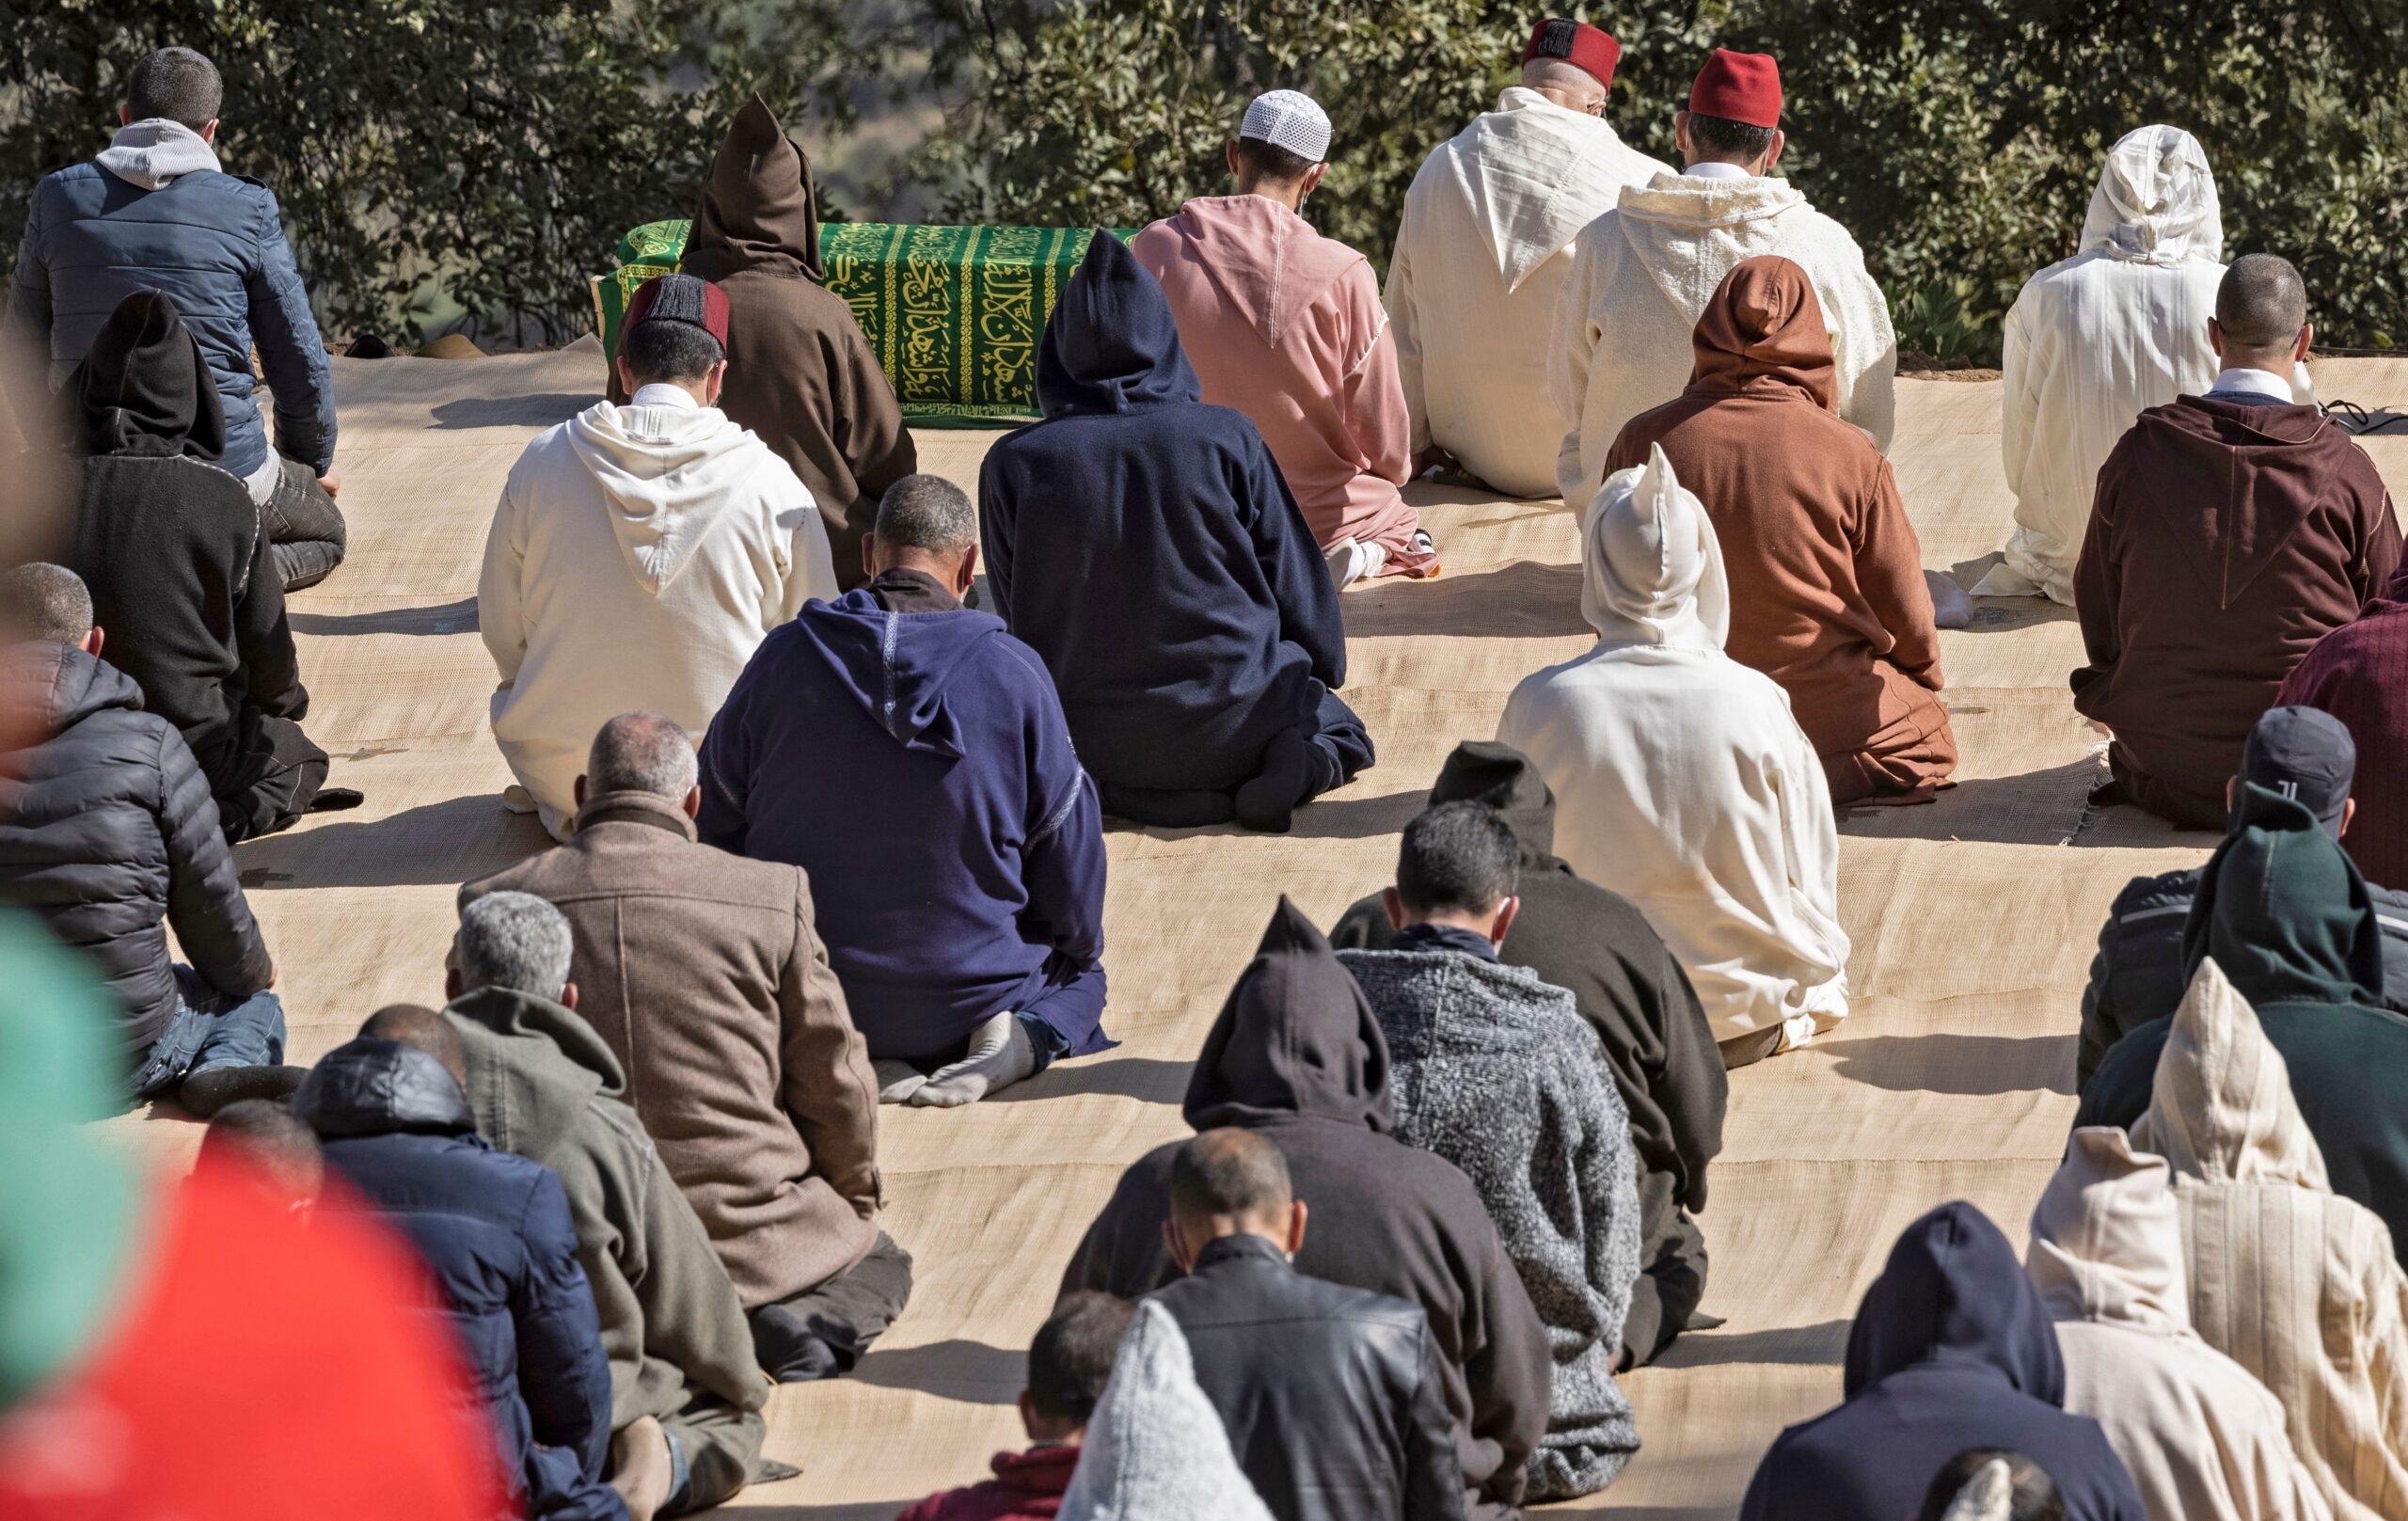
(2225,539)
(799,371)
(1827,589)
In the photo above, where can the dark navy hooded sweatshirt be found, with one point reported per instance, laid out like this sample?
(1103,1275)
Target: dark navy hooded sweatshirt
(1951,1349)
(1146,547)
(917,767)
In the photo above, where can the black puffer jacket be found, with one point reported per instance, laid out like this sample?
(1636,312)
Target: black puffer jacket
(106,830)
(1331,1394)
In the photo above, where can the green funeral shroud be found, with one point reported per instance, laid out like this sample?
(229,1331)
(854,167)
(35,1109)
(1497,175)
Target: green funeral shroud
(953,314)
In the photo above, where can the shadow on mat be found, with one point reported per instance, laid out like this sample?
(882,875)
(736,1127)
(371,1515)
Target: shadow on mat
(540,410)
(2036,808)
(450,618)
(1964,1065)
(752,1510)
(1802,1344)
(1328,818)
(971,1372)
(440,844)
(2005,614)
(1110,1075)
(1520,600)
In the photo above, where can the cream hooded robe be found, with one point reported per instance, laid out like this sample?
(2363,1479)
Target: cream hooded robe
(639,556)
(1681,778)
(1155,1449)
(2095,339)
(2204,1440)
(2291,1281)
(1480,260)
(1642,276)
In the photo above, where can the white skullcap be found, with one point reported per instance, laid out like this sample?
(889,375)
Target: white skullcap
(1287,118)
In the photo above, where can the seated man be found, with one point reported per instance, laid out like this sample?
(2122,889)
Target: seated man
(1069,1363)
(1576,936)
(1297,1057)
(1286,326)
(155,211)
(640,553)
(1682,779)
(2359,674)
(274,1151)
(1163,574)
(1330,1395)
(2288,920)
(110,838)
(799,372)
(1952,1349)
(1485,249)
(1499,1074)
(497,1239)
(1643,273)
(1826,581)
(701,972)
(1154,1447)
(686,1392)
(2139,971)
(180,570)
(2229,533)
(910,757)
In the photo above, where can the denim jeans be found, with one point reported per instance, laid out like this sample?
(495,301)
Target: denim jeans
(210,1030)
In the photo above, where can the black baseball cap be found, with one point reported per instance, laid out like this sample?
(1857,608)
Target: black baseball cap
(2307,754)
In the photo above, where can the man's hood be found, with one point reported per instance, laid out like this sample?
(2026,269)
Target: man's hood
(1494,772)
(368,1087)
(155,151)
(2107,1239)
(1267,261)
(1764,331)
(1652,567)
(669,475)
(1155,1449)
(2220,1108)
(2156,201)
(1672,222)
(2282,909)
(144,388)
(2236,440)
(760,208)
(1953,1294)
(1296,1037)
(899,667)
(1535,174)
(1111,345)
(61,686)
(533,1066)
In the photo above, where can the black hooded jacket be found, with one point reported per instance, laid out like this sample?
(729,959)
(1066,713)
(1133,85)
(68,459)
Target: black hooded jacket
(108,833)
(1577,935)
(1147,548)
(182,575)
(1297,1056)
(1950,1349)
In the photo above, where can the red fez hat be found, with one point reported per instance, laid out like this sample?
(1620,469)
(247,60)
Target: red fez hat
(1739,87)
(686,298)
(1577,43)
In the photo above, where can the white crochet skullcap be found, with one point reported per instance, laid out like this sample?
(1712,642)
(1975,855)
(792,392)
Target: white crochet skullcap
(1287,118)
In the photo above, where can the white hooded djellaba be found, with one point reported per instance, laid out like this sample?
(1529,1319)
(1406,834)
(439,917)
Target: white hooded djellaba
(1482,257)
(2095,339)
(1681,778)
(1155,1449)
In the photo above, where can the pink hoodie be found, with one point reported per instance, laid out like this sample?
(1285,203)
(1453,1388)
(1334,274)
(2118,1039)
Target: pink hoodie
(1287,327)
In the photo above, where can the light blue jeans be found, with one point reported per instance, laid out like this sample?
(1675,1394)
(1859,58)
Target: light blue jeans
(210,1030)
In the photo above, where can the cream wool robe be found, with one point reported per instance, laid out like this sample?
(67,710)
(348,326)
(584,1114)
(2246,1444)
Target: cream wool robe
(1642,276)
(1681,778)
(2291,1280)
(637,557)
(1480,260)
(2204,1440)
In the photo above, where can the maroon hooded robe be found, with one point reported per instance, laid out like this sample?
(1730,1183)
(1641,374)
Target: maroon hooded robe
(2359,674)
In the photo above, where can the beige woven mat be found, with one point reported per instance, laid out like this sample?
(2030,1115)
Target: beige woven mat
(1973,920)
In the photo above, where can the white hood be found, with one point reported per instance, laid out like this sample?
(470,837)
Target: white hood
(155,151)
(2221,1108)
(1155,1449)
(1988,1496)
(670,476)
(2156,201)
(1536,174)
(1673,220)
(1652,567)
(2107,1237)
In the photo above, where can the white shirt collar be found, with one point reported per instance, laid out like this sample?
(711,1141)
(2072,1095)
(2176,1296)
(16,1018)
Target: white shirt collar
(1716,169)
(2253,383)
(661,393)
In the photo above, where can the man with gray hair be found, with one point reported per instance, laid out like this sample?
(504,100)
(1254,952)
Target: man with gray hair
(912,751)
(686,1393)
(700,976)
(2230,532)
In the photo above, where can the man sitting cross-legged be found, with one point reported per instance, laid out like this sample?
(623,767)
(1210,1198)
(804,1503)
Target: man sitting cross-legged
(907,748)
(686,1392)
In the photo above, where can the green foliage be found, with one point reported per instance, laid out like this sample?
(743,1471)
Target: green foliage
(1939,318)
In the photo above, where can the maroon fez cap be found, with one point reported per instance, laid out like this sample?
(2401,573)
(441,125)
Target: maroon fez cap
(686,298)
(1739,87)
(1577,43)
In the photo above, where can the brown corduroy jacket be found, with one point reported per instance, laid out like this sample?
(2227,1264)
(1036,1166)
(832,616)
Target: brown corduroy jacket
(702,972)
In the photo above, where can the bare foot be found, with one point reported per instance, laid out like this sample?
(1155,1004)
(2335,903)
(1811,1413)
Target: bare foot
(640,1467)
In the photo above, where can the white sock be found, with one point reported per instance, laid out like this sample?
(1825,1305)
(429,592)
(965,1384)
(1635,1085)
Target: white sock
(897,1081)
(1000,1054)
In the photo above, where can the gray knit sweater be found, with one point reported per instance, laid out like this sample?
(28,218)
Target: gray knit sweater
(1496,1073)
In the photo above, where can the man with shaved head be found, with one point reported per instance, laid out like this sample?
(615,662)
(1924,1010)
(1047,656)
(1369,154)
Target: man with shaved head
(2230,534)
